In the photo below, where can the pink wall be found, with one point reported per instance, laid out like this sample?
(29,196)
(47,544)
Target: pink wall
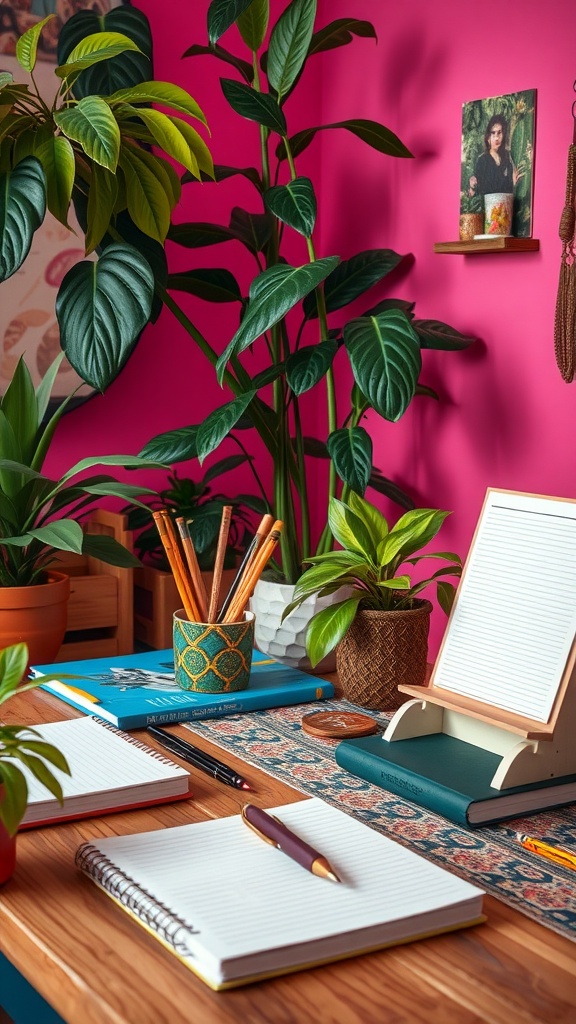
(506,418)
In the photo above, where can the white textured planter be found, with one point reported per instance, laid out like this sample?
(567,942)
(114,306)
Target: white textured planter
(286,641)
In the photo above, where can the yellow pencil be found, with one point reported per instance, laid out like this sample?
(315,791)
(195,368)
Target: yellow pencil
(567,860)
(192,560)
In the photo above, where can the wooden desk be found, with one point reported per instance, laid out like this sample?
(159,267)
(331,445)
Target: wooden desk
(96,966)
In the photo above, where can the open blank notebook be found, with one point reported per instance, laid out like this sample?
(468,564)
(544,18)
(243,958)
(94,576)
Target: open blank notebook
(111,771)
(236,909)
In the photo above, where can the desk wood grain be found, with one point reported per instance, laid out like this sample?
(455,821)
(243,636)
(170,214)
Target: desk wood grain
(95,965)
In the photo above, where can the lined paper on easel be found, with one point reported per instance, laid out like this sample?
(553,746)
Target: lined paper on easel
(515,618)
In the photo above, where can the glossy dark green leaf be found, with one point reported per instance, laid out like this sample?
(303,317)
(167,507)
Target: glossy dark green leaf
(253,23)
(254,230)
(352,278)
(213,284)
(268,376)
(256,106)
(350,449)
(221,172)
(309,365)
(200,234)
(288,46)
(405,305)
(219,423)
(101,202)
(101,309)
(245,69)
(152,251)
(22,209)
(108,550)
(222,14)
(294,204)
(339,33)
(437,335)
(314,448)
(422,389)
(129,69)
(225,466)
(375,135)
(385,357)
(272,294)
(173,445)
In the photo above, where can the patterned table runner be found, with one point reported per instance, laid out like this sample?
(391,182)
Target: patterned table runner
(490,857)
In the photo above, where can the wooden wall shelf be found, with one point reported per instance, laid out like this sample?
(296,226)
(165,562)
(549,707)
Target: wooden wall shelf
(502,243)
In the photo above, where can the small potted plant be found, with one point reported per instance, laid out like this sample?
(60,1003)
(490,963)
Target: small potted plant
(380,631)
(471,214)
(40,516)
(20,743)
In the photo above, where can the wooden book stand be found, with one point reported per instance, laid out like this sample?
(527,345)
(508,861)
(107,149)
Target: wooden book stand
(536,538)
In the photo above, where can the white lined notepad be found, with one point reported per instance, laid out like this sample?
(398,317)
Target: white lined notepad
(110,770)
(235,908)
(514,620)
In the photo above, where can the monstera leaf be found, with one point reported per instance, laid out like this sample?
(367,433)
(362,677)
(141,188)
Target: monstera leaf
(22,209)
(101,309)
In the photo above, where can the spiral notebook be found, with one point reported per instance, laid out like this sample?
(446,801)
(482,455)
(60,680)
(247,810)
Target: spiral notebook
(110,771)
(235,909)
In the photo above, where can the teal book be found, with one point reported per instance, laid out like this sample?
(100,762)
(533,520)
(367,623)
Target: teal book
(136,690)
(449,777)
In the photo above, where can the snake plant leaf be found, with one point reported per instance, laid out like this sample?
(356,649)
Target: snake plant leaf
(340,33)
(309,365)
(289,42)
(438,335)
(274,292)
(93,126)
(147,198)
(93,49)
(352,278)
(294,204)
(374,134)
(129,69)
(199,234)
(253,23)
(22,209)
(222,14)
(57,158)
(212,284)
(172,445)
(27,45)
(255,106)
(159,92)
(219,423)
(101,309)
(385,358)
(245,69)
(326,629)
(350,449)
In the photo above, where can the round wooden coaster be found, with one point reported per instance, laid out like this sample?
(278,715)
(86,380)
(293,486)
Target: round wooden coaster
(340,724)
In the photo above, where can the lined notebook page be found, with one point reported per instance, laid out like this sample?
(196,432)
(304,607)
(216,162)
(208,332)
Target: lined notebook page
(515,617)
(101,760)
(238,896)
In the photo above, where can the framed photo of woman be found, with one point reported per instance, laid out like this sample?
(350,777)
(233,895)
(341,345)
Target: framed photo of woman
(498,147)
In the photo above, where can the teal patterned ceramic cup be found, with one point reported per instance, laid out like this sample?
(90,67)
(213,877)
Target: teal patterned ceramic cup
(213,658)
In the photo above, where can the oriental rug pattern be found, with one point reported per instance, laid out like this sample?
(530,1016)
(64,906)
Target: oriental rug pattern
(490,857)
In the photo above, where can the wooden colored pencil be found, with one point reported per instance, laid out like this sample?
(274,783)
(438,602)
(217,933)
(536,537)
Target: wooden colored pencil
(219,562)
(256,542)
(256,569)
(168,537)
(195,573)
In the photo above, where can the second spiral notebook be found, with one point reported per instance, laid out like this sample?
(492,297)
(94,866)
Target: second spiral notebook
(110,771)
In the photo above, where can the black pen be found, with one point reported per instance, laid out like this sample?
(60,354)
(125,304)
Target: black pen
(199,758)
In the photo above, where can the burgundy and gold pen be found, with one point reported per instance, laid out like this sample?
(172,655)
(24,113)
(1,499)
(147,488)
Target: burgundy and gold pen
(273,831)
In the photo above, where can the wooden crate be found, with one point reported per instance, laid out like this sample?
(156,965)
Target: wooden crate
(155,601)
(100,609)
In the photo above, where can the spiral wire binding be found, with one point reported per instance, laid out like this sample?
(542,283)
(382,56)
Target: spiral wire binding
(132,739)
(155,915)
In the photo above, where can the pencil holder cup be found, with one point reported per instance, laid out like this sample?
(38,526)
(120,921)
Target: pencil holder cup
(213,657)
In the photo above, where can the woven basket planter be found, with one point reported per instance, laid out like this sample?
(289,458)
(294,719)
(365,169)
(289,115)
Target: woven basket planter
(382,651)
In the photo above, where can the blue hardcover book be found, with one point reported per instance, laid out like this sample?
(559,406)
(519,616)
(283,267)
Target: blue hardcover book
(136,690)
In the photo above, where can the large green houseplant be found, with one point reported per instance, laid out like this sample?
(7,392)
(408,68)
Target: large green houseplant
(40,516)
(20,743)
(293,313)
(380,629)
(90,145)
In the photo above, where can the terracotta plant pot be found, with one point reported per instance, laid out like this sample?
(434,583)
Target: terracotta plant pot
(35,615)
(7,852)
(382,651)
